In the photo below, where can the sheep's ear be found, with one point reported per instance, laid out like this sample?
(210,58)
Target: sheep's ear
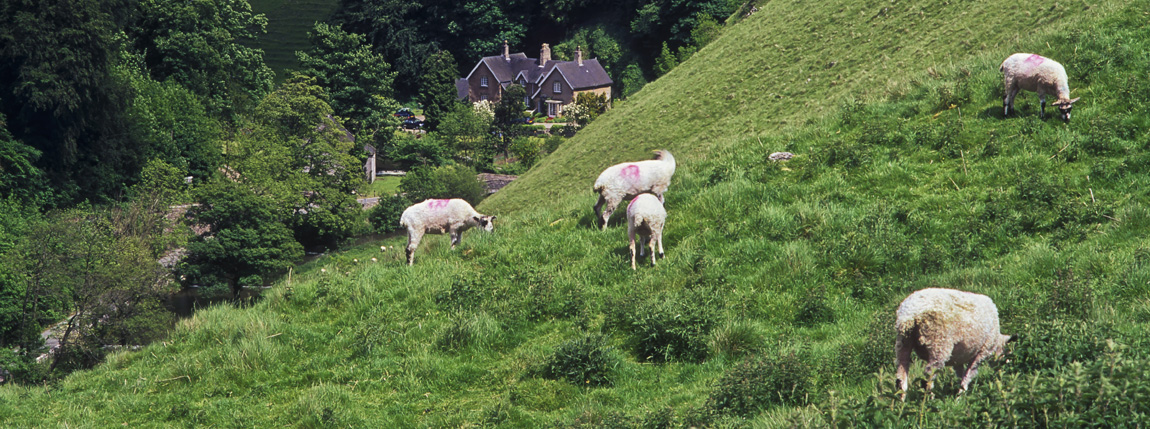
(1073,100)
(1010,339)
(477,219)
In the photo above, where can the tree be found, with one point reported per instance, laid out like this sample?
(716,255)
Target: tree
(60,95)
(248,243)
(437,89)
(358,80)
(633,80)
(466,132)
(509,109)
(443,182)
(665,62)
(197,43)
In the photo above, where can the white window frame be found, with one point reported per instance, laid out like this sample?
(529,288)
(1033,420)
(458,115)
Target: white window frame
(483,97)
(557,87)
(483,82)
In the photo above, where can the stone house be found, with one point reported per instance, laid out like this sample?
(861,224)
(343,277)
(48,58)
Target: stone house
(550,84)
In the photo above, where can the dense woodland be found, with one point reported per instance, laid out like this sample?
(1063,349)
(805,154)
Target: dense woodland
(118,116)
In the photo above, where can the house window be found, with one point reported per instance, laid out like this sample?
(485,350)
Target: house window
(483,97)
(556,87)
(483,81)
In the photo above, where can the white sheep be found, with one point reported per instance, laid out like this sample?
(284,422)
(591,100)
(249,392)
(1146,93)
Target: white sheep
(946,327)
(1036,73)
(646,216)
(622,181)
(439,216)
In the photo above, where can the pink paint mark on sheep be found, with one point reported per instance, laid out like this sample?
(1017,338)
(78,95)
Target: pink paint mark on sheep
(437,204)
(631,204)
(630,173)
(1034,60)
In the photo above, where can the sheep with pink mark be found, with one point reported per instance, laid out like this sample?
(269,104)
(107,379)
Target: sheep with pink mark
(627,180)
(646,217)
(946,327)
(452,216)
(1036,73)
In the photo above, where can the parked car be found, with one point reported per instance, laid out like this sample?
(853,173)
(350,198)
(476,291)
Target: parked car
(411,123)
(527,120)
(404,113)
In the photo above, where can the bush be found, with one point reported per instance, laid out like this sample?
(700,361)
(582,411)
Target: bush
(384,217)
(585,361)
(672,328)
(813,309)
(756,383)
(447,181)
(1056,343)
(527,150)
(551,143)
(874,350)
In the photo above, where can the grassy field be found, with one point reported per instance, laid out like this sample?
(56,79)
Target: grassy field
(289,21)
(383,186)
(774,306)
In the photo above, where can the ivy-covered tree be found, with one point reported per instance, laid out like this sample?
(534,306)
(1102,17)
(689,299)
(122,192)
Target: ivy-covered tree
(507,111)
(358,80)
(437,89)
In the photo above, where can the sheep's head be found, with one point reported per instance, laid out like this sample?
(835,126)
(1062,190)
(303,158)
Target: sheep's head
(1000,348)
(485,222)
(1064,107)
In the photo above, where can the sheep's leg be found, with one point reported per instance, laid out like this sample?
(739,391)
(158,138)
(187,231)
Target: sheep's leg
(599,205)
(612,203)
(970,373)
(902,362)
(631,236)
(1042,106)
(938,358)
(413,238)
(659,236)
(455,238)
(651,242)
(1008,99)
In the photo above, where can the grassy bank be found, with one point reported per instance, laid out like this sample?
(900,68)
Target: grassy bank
(775,302)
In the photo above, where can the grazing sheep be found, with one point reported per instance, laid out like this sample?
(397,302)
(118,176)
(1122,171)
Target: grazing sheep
(437,217)
(622,181)
(1036,73)
(946,327)
(646,216)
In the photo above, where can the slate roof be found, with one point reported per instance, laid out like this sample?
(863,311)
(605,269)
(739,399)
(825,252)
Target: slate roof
(590,75)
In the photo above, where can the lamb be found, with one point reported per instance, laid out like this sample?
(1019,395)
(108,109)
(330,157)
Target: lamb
(622,181)
(646,216)
(438,216)
(946,327)
(1036,73)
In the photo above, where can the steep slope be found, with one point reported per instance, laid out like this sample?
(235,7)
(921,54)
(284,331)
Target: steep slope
(787,63)
(776,299)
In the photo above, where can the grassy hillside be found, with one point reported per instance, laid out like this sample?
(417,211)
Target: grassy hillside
(289,21)
(775,303)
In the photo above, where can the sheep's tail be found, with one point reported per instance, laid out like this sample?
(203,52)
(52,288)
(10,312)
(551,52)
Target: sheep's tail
(905,326)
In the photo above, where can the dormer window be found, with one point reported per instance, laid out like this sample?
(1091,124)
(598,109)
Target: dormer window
(557,87)
(483,81)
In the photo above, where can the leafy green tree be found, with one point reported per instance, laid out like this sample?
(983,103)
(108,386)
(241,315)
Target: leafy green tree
(706,30)
(507,111)
(443,182)
(665,62)
(632,80)
(466,132)
(302,155)
(358,80)
(437,89)
(408,150)
(60,95)
(19,176)
(197,43)
(248,242)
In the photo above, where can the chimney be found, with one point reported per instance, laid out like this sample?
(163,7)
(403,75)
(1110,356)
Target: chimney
(579,56)
(544,55)
(506,52)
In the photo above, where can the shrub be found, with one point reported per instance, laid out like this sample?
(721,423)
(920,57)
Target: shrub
(1056,343)
(874,350)
(813,309)
(384,217)
(671,328)
(756,383)
(736,339)
(527,150)
(584,361)
(447,181)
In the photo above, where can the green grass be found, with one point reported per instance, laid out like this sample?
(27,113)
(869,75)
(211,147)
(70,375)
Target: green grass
(383,186)
(289,22)
(799,263)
